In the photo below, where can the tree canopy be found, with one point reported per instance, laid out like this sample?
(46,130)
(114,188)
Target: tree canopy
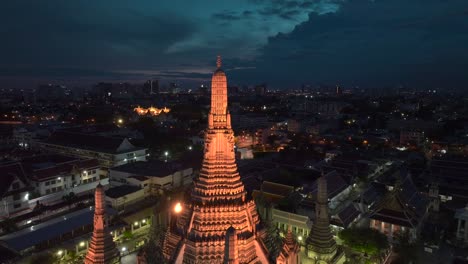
(364,240)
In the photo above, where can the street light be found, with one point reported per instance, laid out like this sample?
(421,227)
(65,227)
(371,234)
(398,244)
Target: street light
(178,208)
(166,153)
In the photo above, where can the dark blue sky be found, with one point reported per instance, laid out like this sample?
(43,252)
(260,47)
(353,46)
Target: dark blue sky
(281,42)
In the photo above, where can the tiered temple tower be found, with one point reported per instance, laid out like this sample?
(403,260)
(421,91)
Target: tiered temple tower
(320,245)
(218,224)
(290,252)
(102,248)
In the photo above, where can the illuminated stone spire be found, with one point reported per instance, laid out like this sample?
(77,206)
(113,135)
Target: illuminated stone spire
(218,62)
(101,248)
(289,254)
(219,116)
(218,199)
(320,243)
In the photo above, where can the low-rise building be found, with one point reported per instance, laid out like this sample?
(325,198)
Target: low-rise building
(268,197)
(347,216)
(109,151)
(402,209)
(338,189)
(461,215)
(450,174)
(121,196)
(50,177)
(153,176)
(14,190)
(46,179)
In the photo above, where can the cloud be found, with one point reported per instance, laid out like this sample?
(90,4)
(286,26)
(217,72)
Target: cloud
(283,42)
(375,43)
(226,15)
(78,33)
(241,27)
(147,34)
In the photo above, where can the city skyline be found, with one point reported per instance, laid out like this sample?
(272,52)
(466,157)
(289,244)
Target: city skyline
(283,43)
(240,176)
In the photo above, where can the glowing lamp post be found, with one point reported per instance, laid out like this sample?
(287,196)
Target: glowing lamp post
(175,214)
(178,208)
(166,153)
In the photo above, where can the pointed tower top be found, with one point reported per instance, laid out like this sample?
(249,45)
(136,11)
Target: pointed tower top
(289,239)
(101,247)
(218,62)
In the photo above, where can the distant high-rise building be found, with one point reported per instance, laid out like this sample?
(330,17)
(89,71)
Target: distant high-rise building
(306,88)
(29,95)
(261,89)
(155,86)
(151,87)
(174,88)
(338,90)
(104,92)
(50,92)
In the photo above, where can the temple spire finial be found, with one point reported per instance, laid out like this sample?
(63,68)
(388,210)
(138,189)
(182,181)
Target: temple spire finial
(218,62)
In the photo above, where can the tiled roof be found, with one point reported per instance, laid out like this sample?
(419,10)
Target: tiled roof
(152,168)
(403,206)
(140,178)
(41,159)
(268,197)
(8,174)
(121,190)
(86,141)
(27,238)
(348,215)
(52,170)
(335,184)
(87,164)
(276,188)
(373,193)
